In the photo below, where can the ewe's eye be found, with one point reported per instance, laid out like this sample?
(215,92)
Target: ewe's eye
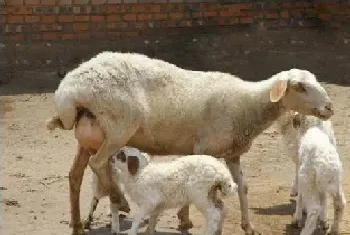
(300,87)
(121,156)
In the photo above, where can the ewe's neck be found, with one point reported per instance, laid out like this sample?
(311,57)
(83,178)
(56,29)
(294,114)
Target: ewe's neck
(263,111)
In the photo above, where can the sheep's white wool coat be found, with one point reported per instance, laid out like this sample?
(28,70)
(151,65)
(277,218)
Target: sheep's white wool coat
(176,183)
(166,109)
(320,165)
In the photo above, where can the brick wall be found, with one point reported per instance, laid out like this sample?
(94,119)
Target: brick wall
(50,20)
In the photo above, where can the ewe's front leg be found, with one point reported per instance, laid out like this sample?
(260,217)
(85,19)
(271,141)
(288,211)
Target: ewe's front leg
(75,179)
(294,191)
(237,174)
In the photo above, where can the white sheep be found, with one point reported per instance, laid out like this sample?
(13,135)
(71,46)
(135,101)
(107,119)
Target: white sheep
(157,186)
(162,109)
(290,142)
(320,173)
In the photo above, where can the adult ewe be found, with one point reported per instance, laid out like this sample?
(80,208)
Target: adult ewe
(162,109)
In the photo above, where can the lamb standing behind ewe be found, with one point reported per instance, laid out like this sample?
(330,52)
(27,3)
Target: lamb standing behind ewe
(320,173)
(154,187)
(162,109)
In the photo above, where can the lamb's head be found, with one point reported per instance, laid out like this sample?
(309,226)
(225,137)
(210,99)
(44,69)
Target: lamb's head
(129,160)
(300,91)
(304,122)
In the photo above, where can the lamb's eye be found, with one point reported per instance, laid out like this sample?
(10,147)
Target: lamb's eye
(121,156)
(300,87)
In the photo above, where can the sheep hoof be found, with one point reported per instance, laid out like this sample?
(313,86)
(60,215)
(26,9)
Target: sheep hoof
(296,223)
(80,231)
(125,208)
(185,226)
(293,194)
(87,224)
(324,225)
(333,232)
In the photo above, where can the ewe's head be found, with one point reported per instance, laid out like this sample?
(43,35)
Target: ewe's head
(300,91)
(129,160)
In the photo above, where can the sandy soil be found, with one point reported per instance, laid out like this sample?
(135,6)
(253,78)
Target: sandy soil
(35,165)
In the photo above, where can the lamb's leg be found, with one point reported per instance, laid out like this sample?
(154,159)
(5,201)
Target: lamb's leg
(313,211)
(75,179)
(137,220)
(323,213)
(214,214)
(339,203)
(151,229)
(93,206)
(235,168)
(184,219)
(294,191)
(115,227)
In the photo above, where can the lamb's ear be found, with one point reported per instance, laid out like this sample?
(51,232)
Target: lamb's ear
(133,164)
(278,90)
(296,120)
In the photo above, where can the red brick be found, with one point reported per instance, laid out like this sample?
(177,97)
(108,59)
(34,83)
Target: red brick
(287,5)
(98,35)
(296,12)
(65,2)
(246,20)
(113,35)
(212,7)
(197,15)
(15,19)
(48,19)
(271,15)
(176,15)
(226,13)
(140,25)
(80,26)
(324,16)
(32,2)
(98,2)
(67,36)
(115,8)
(145,8)
(171,7)
(114,18)
(36,36)
(32,19)
(130,17)
(81,2)
(311,12)
(302,4)
(14,2)
(47,2)
(131,34)
(50,27)
(82,36)
(143,17)
(284,14)
(18,10)
(2,19)
(97,18)
(160,16)
(81,18)
(65,18)
(210,14)
(233,20)
(49,36)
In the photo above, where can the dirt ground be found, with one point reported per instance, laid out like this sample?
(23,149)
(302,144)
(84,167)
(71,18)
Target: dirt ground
(35,164)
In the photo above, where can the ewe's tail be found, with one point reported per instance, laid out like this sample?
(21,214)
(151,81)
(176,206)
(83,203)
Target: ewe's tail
(53,123)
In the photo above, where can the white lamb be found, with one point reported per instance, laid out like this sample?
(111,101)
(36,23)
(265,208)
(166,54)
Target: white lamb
(290,141)
(162,109)
(320,173)
(154,187)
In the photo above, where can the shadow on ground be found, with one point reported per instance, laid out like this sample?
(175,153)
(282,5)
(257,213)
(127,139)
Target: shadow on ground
(282,209)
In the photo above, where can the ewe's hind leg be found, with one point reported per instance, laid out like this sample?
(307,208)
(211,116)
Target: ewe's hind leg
(184,218)
(75,179)
(236,171)
(151,229)
(118,132)
(339,203)
(294,191)
(298,214)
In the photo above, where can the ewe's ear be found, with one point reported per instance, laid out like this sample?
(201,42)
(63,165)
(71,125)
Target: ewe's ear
(133,164)
(278,90)
(296,120)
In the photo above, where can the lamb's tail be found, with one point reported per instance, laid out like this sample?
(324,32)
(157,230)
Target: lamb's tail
(229,187)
